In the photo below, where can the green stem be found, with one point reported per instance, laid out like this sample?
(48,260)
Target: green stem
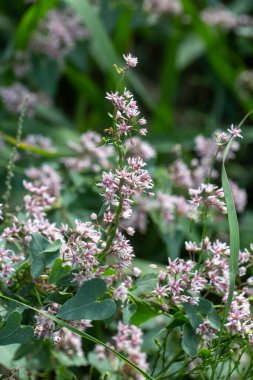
(10,166)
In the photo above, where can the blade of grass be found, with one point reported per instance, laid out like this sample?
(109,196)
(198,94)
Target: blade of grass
(104,51)
(83,335)
(234,242)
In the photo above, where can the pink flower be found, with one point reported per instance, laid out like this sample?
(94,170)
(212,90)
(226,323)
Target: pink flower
(131,61)
(235,131)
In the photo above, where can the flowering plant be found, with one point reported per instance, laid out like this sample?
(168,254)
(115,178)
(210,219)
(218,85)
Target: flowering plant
(120,258)
(71,276)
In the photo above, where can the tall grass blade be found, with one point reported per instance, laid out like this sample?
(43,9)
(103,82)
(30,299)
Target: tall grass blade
(234,242)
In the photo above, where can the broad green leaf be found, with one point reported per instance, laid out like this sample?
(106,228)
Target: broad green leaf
(43,253)
(13,332)
(190,340)
(144,311)
(58,271)
(84,304)
(197,313)
(84,335)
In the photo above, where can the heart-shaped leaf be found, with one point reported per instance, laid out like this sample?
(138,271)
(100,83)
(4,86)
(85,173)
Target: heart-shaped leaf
(84,304)
(13,332)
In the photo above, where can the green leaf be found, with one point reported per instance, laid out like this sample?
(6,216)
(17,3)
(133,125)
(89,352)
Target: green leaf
(43,253)
(13,332)
(58,271)
(197,313)
(145,283)
(234,238)
(190,340)
(30,20)
(144,311)
(84,304)
(84,335)
(128,312)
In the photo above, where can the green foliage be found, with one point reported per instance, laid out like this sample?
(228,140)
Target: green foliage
(13,332)
(190,340)
(43,253)
(84,304)
(58,271)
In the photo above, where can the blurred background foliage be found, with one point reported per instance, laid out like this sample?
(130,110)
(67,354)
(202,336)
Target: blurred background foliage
(194,76)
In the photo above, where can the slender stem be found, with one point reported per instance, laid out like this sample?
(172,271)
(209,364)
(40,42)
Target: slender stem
(173,359)
(10,166)
(156,361)
(164,347)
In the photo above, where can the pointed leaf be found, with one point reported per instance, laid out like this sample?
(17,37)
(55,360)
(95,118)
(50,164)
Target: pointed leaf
(84,304)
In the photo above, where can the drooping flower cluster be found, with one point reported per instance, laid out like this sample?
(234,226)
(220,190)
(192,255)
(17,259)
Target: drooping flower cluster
(9,262)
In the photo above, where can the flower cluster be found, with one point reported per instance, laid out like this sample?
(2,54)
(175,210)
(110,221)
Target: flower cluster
(126,109)
(180,283)
(57,34)
(14,96)
(81,251)
(126,183)
(89,156)
(42,192)
(222,17)
(128,341)
(207,195)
